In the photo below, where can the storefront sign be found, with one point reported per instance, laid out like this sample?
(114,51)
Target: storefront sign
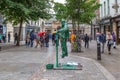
(106,21)
(117,19)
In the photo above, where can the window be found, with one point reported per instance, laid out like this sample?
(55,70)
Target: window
(101,10)
(104,8)
(116,2)
(108,7)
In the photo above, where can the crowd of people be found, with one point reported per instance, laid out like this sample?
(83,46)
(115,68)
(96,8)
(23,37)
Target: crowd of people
(41,40)
(108,38)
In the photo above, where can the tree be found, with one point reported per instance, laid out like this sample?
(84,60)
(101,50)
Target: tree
(60,11)
(21,11)
(81,11)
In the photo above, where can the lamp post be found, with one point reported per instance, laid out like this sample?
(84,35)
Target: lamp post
(115,6)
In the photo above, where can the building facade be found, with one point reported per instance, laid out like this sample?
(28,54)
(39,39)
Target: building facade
(110,17)
(95,27)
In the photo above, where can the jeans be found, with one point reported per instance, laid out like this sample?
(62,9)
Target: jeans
(27,44)
(86,44)
(8,39)
(47,45)
(102,47)
(31,43)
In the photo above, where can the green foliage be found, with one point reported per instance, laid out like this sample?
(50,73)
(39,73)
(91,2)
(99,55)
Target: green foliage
(20,11)
(60,11)
(15,10)
(82,11)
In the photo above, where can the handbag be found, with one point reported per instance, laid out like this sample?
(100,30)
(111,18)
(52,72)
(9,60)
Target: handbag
(111,42)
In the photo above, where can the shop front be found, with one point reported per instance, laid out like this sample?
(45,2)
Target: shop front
(118,33)
(106,25)
(116,28)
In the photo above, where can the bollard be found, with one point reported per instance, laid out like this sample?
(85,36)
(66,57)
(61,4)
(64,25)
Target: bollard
(98,52)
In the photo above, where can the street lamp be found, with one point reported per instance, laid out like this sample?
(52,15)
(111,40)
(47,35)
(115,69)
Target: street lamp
(115,6)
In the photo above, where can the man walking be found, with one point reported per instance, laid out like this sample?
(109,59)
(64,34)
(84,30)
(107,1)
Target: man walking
(102,41)
(86,38)
(32,38)
(9,36)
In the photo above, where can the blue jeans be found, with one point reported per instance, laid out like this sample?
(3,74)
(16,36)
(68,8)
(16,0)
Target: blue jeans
(31,43)
(27,44)
(47,45)
(102,47)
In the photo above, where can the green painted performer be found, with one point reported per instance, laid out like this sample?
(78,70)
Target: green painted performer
(64,35)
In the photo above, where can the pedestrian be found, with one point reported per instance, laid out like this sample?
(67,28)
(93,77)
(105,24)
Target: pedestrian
(102,41)
(109,42)
(98,37)
(47,40)
(42,41)
(1,39)
(27,39)
(86,39)
(9,36)
(37,39)
(114,40)
(4,38)
(72,41)
(32,36)
(53,39)
(15,38)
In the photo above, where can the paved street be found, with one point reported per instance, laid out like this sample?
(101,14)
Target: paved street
(22,63)
(110,62)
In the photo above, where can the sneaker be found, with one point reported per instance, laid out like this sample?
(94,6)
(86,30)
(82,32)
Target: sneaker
(114,47)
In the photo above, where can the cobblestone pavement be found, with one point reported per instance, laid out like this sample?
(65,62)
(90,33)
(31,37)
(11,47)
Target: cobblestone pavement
(21,63)
(110,62)
(29,64)
(92,70)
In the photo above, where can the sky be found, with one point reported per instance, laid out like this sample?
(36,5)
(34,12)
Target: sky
(60,1)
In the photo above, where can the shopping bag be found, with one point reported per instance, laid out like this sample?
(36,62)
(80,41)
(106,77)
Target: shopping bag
(111,42)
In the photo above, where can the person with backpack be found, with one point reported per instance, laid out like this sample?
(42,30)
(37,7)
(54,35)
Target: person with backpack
(86,39)
(32,38)
(114,40)
(102,41)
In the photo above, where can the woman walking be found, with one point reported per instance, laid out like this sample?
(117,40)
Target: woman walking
(37,39)
(109,42)
(114,40)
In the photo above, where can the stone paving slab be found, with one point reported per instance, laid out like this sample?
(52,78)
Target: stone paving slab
(91,71)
